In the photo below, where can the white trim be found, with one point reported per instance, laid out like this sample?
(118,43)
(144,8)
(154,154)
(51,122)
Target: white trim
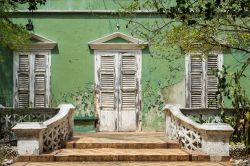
(87,11)
(42,44)
(187,81)
(139,74)
(131,44)
(48,90)
(220,61)
(15,66)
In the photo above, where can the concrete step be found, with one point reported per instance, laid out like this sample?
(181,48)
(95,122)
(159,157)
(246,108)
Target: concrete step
(81,144)
(139,163)
(113,154)
(121,140)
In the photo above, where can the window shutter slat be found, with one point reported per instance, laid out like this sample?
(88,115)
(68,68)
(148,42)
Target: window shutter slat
(107,82)
(23,77)
(128,101)
(196,82)
(40,81)
(128,83)
(212,81)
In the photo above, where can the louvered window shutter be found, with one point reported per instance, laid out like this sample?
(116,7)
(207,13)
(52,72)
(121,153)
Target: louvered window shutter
(107,82)
(128,82)
(212,81)
(40,81)
(196,81)
(23,79)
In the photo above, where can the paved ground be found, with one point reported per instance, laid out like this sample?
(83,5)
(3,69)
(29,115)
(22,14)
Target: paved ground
(119,164)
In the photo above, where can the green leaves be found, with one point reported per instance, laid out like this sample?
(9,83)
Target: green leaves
(14,36)
(229,86)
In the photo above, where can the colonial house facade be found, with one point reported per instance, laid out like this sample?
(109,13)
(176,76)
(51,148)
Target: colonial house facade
(78,55)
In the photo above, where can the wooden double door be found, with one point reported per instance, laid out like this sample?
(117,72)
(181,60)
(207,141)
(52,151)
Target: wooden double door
(117,89)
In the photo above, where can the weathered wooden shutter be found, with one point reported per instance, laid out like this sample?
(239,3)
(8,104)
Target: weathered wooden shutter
(107,82)
(40,80)
(196,82)
(31,79)
(128,92)
(212,81)
(22,82)
(128,82)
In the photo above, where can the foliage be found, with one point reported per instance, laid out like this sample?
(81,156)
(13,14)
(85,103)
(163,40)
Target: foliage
(200,119)
(212,23)
(14,36)
(229,86)
(7,152)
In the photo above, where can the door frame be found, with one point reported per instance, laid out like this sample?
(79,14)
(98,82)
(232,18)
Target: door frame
(138,56)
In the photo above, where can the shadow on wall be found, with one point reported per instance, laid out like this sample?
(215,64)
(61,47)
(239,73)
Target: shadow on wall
(6,77)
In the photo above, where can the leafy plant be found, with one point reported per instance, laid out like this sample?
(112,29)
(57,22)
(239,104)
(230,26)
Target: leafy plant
(229,86)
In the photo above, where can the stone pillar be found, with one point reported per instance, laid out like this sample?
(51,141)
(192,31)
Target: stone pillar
(215,139)
(30,137)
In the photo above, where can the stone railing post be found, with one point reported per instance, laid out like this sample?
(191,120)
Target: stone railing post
(210,138)
(30,137)
(35,137)
(215,138)
(168,124)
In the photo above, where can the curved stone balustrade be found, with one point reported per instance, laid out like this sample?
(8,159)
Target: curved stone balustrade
(9,117)
(210,138)
(37,137)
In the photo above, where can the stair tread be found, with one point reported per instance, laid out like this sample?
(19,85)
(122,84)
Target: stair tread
(120,163)
(115,152)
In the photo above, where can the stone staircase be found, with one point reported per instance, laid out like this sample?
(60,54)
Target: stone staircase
(106,147)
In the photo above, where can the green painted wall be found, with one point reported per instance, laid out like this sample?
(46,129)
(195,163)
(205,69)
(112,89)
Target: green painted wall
(72,62)
(81,4)
(72,67)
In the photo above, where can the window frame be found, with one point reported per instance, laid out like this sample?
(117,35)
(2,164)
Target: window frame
(31,54)
(204,103)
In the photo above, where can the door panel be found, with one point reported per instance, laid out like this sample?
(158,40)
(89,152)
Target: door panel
(128,92)
(108,121)
(107,100)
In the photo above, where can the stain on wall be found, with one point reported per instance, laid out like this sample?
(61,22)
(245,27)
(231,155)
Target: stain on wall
(175,94)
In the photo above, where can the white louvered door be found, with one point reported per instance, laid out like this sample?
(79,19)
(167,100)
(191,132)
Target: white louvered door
(31,77)
(117,90)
